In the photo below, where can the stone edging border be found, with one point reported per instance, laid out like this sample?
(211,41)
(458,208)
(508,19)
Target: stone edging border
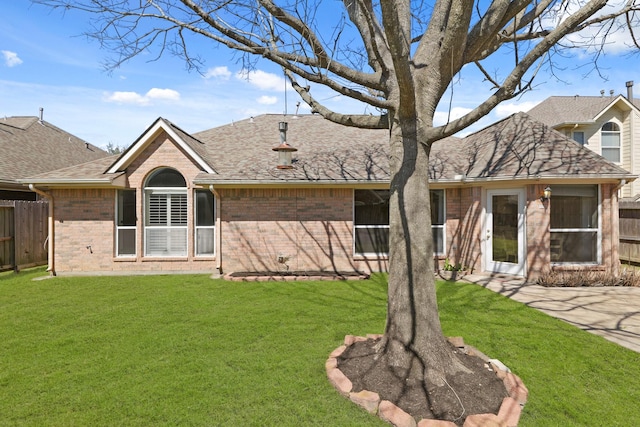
(508,415)
(266,277)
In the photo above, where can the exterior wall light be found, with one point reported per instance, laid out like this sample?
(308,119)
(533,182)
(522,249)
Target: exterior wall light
(284,150)
(546,194)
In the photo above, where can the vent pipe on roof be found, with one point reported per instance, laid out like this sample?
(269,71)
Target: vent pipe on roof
(611,92)
(630,90)
(41,114)
(602,92)
(284,150)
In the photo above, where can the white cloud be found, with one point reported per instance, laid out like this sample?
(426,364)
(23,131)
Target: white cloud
(126,98)
(507,109)
(218,72)
(263,80)
(11,59)
(441,117)
(168,94)
(607,37)
(146,99)
(267,100)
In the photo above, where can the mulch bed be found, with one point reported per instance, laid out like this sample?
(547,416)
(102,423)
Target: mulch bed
(479,392)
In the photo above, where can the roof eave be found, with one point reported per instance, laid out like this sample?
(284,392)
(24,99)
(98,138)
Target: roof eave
(107,182)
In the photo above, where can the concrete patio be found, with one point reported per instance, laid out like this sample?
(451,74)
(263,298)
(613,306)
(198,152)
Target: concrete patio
(611,312)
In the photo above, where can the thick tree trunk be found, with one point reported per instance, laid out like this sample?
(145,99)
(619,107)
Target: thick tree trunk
(413,345)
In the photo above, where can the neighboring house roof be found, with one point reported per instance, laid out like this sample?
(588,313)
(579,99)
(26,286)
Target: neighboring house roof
(240,153)
(560,110)
(30,146)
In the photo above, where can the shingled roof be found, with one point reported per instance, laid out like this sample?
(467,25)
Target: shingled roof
(240,153)
(30,146)
(558,110)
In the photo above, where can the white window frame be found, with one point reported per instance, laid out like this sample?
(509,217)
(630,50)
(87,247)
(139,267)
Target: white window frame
(168,226)
(611,133)
(386,254)
(197,227)
(578,132)
(125,227)
(442,226)
(598,232)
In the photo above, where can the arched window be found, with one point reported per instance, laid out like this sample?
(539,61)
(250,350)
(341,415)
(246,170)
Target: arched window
(610,137)
(165,225)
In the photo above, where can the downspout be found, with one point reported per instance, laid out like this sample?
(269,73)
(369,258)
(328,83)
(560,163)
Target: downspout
(51,247)
(218,231)
(632,146)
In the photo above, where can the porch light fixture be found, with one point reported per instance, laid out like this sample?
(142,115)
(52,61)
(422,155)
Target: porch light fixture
(284,150)
(546,194)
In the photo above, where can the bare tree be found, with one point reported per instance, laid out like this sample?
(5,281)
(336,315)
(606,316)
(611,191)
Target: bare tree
(398,56)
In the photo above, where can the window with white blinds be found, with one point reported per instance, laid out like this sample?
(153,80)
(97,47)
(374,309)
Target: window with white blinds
(166,214)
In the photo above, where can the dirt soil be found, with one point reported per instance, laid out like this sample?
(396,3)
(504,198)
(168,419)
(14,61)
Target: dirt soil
(480,392)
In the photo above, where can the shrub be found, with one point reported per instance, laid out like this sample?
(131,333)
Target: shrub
(572,279)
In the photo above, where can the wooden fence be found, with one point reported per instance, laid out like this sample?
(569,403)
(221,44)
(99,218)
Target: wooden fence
(23,234)
(629,232)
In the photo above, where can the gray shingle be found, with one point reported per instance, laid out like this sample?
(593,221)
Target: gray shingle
(29,147)
(514,148)
(557,110)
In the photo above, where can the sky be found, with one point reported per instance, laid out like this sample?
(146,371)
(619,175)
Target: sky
(45,62)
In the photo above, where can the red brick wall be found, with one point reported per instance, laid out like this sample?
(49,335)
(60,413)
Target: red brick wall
(310,227)
(464,221)
(538,232)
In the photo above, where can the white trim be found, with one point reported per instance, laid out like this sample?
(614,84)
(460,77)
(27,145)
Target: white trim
(619,98)
(147,137)
(597,230)
(125,227)
(518,268)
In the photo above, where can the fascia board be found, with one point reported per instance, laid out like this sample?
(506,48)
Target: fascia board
(146,139)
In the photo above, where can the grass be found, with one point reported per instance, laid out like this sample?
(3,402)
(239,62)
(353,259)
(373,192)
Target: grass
(188,350)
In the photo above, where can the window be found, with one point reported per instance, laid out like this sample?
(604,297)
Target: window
(610,134)
(578,137)
(371,221)
(575,227)
(126,223)
(437,220)
(165,214)
(205,223)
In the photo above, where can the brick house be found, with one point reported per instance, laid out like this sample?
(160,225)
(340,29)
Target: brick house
(251,196)
(607,125)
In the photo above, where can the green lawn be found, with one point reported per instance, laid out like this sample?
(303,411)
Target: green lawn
(188,350)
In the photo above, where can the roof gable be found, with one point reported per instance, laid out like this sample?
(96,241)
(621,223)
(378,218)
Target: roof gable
(194,148)
(568,110)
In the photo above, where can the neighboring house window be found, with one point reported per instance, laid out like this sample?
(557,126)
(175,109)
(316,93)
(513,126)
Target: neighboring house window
(126,223)
(166,214)
(205,223)
(578,137)
(610,134)
(575,225)
(371,221)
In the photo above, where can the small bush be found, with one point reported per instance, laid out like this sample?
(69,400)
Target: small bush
(573,279)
